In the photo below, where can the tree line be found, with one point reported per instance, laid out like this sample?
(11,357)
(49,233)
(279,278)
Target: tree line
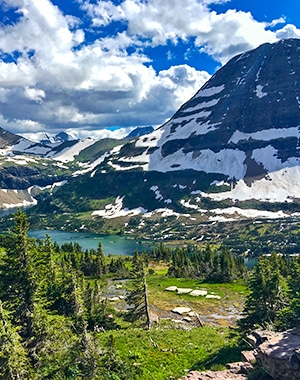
(274,294)
(52,305)
(51,308)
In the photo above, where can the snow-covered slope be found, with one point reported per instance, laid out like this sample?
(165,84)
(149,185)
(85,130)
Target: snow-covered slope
(244,123)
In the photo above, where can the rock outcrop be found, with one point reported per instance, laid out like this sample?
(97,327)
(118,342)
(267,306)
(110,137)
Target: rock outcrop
(235,371)
(278,353)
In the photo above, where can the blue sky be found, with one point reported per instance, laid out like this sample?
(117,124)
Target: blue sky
(98,68)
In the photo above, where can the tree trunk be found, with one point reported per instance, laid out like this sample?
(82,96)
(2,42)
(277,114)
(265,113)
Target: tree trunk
(147,312)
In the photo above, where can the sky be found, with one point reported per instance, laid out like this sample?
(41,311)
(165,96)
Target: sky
(98,68)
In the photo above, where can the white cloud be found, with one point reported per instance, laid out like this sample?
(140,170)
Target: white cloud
(103,13)
(231,33)
(59,78)
(35,94)
(288,31)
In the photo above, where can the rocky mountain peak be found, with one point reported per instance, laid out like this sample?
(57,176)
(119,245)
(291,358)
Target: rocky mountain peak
(8,138)
(248,109)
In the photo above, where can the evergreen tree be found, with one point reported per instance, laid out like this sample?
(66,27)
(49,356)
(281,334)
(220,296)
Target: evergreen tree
(289,316)
(227,265)
(14,362)
(267,293)
(138,297)
(17,280)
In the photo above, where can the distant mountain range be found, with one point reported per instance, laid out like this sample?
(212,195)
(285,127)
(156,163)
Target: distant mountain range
(230,152)
(58,138)
(140,131)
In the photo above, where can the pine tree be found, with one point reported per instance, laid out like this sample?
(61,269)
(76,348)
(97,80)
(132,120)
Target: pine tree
(227,265)
(267,293)
(14,362)
(289,316)
(138,297)
(17,280)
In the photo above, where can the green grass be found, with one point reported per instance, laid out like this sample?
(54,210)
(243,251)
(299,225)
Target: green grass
(163,302)
(177,351)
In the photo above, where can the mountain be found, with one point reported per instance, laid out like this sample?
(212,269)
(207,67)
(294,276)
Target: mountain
(26,171)
(59,138)
(140,131)
(231,152)
(8,138)
(242,124)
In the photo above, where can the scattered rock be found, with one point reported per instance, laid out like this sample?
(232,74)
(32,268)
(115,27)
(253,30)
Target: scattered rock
(184,290)
(248,356)
(154,318)
(187,319)
(171,289)
(114,299)
(193,314)
(197,293)
(213,296)
(242,368)
(211,375)
(179,321)
(181,310)
(235,371)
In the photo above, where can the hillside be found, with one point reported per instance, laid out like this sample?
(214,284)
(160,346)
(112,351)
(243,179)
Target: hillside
(231,153)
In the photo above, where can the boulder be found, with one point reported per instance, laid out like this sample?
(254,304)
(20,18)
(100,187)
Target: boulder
(154,318)
(197,293)
(171,289)
(278,353)
(213,296)
(184,290)
(114,299)
(181,310)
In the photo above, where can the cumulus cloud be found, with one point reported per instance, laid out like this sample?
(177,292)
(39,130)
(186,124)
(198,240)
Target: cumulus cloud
(288,31)
(65,73)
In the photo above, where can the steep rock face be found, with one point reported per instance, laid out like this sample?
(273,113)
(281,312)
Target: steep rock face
(243,123)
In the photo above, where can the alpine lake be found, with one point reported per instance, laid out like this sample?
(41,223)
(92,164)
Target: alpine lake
(111,244)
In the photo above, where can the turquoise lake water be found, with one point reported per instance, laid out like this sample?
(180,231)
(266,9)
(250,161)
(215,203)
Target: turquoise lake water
(111,244)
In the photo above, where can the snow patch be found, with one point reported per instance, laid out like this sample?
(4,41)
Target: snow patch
(165,212)
(268,158)
(202,105)
(91,166)
(265,135)
(206,92)
(249,213)
(227,161)
(279,186)
(259,91)
(157,193)
(116,210)
(69,154)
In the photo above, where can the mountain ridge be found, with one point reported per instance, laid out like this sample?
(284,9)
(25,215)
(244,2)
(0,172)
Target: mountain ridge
(230,152)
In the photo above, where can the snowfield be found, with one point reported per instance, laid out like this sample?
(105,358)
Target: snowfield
(69,154)
(279,186)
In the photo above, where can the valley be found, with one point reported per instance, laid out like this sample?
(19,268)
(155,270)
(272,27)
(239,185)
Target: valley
(180,209)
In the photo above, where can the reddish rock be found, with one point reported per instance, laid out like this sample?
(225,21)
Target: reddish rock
(235,371)
(279,355)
